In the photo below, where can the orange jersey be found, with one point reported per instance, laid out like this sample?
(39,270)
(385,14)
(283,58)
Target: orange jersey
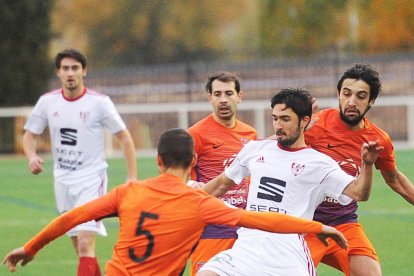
(216,147)
(330,135)
(161,220)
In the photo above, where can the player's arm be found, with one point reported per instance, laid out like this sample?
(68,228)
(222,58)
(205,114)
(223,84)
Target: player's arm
(30,149)
(97,208)
(360,188)
(399,183)
(280,223)
(219,185)
(128,148)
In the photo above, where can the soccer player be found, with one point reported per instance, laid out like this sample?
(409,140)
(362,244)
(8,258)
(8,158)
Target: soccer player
(218,138)
(287,177)
(161,218)
(339,133)
(76,117)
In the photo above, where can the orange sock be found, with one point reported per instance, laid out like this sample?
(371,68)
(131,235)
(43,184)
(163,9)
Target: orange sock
(88,266)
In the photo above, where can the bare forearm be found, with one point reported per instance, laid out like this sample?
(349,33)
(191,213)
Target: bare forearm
(128,149)
(218,186)
(400,184)
(364,183)
(29,145)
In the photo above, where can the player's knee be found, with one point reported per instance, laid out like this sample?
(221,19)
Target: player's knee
(86,245)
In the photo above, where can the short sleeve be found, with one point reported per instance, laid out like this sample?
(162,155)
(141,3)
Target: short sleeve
(238,169)
(111,118)
(37,121)
(334,183)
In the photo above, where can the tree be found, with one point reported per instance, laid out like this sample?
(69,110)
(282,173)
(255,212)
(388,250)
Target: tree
(134,32)
(386,26)
(299,28)
(25,36)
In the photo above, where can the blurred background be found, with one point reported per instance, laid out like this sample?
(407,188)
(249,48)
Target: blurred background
(153,57)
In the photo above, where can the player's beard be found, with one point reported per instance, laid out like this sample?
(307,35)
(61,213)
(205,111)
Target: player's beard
(289,140)
(352,121)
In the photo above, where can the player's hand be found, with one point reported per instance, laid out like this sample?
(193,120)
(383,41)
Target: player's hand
(336,235)
(15,256)
(36,164)
(195,185)
(370,151)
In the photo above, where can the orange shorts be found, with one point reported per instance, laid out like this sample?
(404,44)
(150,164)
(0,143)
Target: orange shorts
(337,257)
(206,249)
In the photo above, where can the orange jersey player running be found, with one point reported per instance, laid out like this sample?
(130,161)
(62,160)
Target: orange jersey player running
(339,133)
(218,138)
(161,219)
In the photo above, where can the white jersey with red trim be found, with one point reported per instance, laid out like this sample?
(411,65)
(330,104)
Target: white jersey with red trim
(77,132)
(290,181)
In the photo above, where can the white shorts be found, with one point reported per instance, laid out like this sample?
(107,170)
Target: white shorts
(260,256)
(69,197)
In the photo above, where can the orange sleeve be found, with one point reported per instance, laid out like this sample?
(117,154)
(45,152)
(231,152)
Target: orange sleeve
(279,223)
(97,208)
(214,211)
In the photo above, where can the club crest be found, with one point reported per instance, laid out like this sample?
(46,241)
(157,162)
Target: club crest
(84,116)
(297,168)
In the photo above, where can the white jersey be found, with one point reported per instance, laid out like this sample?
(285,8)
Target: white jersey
(77,132)
(289,181)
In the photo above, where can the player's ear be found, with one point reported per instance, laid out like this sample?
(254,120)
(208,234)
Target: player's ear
(240,95)
(305,122)
(85,71)
(160,163)
(194,160)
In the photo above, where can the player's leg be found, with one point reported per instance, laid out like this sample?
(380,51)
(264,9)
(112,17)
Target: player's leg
(360,258)
(84,235)
(364,266)
(206,249)
(317,249)
(363,259)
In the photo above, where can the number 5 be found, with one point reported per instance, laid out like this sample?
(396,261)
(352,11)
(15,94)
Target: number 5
(146,233)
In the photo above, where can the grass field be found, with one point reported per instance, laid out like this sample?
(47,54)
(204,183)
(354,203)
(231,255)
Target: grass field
(27,204)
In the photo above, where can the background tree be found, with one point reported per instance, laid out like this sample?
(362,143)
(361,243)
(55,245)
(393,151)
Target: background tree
(133,32)
(25,35)
(299,28)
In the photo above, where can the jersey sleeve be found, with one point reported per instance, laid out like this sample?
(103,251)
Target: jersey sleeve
(37,121)
(386,158)
(111,118)
(98,208)
(279,223)
(215,211)
(334,182)
(238,169)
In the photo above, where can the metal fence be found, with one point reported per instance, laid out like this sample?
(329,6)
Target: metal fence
(260,79)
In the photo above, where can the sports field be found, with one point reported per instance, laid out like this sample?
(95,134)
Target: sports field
(27,204)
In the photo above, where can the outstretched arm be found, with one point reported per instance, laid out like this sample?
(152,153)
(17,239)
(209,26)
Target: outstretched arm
(400,184)
(128,148)
(219,185)
(95,209)
(280,223)
(360,188)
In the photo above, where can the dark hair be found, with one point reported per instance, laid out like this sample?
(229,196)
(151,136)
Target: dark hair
(70,53)
(223,76)
(176,148)
(366,73)
(298,99)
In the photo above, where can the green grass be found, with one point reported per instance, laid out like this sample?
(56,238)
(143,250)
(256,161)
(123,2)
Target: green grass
(27,205)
